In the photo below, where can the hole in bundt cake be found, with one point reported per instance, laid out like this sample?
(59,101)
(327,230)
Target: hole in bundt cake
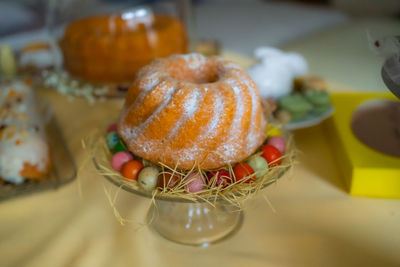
(206,73)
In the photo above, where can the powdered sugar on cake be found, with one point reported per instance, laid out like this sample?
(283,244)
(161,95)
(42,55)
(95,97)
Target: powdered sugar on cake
(211,135)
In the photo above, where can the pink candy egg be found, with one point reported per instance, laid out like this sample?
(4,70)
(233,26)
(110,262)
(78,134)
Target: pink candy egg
(196,182)
(112,128)
(119,158)
(278,142)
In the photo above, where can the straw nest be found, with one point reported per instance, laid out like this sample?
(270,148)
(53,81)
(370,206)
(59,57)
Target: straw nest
(236,193)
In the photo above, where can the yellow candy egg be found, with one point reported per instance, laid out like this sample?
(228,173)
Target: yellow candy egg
(273,131)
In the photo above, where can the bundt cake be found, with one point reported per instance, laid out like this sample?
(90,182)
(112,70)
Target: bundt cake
(111,48)
(188,110)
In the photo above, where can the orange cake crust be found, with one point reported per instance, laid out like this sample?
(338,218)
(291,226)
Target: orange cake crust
(188,110)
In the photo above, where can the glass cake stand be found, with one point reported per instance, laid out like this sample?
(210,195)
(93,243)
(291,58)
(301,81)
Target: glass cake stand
(195,223)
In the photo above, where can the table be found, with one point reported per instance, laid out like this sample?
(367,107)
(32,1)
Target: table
(312,221)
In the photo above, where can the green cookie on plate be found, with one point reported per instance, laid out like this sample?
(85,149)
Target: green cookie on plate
(296,104)
(320,100)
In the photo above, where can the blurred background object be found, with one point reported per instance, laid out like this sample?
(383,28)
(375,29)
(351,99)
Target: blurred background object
(111,47)
(241,26)
(20,15)
(368,7)
(98,46)
(263,22)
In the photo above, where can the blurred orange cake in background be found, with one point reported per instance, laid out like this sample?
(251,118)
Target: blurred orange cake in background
(111,48)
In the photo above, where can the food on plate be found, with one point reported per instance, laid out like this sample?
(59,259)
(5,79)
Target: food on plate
(320,100)
(296,104)
(305,82)
(309,98)
(24,152)
(36,57)
(281,77)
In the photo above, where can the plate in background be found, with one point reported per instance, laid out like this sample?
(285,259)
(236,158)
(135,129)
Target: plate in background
(310,120)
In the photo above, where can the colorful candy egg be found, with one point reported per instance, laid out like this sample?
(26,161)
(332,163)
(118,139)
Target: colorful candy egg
(112,128)
(259,165)
(130,170)
(195,182)
(273,131)
(119,158)
(119,147)
(112,140)
(242,171)
(168,180)
(222,177)
(272,155)
(148,178)
(278,142)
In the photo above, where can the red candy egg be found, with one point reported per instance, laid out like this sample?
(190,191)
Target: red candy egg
(112,128)
(167,180)
(223,178)
(130,170)
(272,155)
(243,170)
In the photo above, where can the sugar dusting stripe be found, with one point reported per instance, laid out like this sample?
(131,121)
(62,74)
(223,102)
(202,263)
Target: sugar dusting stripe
(229,148)
(190,107)
(133,133)
(251,137)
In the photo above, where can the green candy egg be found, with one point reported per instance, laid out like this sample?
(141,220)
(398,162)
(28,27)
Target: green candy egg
(148,178)
(119,147)
(112,140)
(259,165)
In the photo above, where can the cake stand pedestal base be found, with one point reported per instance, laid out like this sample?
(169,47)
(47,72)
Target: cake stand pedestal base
(195,224)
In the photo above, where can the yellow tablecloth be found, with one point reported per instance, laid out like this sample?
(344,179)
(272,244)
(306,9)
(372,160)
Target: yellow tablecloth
(316,223)
(315,220)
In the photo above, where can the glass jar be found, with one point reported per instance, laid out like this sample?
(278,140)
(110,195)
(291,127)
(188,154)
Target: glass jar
(104,43)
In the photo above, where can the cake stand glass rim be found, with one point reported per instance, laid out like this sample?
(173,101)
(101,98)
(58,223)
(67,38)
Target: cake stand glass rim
(116,181)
